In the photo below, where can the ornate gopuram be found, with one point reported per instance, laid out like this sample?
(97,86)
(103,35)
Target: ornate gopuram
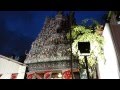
(49,56)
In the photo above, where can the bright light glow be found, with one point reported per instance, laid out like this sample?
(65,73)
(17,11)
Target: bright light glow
(59,75)
(118,22)
(108,69)
(85,54)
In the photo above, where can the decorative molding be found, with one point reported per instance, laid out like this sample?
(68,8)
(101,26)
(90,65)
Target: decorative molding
(57,65)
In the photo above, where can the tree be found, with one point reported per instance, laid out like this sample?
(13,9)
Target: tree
(93,35)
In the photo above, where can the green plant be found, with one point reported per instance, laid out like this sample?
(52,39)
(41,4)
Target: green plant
(83,34)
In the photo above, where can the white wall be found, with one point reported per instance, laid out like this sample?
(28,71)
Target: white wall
(108,69)
(8,67)
(21,72)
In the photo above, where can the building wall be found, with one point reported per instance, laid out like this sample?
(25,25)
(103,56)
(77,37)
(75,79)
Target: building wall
(21,72)
(7,67)
(108,69)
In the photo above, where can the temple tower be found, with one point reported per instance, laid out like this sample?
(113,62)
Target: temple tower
(51,49)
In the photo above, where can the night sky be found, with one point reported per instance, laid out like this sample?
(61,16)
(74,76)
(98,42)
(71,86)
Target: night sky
(18,29)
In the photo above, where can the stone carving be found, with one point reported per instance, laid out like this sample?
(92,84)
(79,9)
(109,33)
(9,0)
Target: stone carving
(51,44)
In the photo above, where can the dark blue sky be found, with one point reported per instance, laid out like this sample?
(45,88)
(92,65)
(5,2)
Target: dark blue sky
(19,28)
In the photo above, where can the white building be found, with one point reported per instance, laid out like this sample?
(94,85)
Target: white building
(110,68)
(10,68)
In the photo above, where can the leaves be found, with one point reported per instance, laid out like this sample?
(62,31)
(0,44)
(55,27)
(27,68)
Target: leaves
(94,23)
(83,34)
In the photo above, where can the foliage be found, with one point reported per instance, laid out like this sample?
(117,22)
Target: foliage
(83,34)
(94,23)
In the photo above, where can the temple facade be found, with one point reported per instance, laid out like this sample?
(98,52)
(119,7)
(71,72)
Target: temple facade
(50,54)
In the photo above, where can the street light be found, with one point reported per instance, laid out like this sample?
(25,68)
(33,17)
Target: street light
(84,48)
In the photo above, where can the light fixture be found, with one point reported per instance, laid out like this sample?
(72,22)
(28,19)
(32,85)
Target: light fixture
(59,75)
(84,48)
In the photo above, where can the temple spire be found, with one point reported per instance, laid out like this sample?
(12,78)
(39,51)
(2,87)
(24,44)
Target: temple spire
(60,12)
